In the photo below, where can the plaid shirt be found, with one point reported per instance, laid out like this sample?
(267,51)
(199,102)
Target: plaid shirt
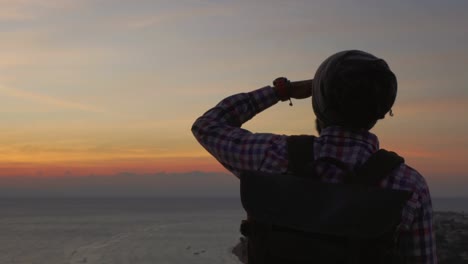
(219,132)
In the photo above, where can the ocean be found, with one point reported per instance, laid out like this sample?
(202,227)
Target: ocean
(118,230)
(128,230)
(459,204)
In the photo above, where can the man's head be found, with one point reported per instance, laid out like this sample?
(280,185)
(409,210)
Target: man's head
(353,89)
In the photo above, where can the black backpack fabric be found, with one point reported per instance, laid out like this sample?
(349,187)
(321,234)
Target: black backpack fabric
(297,219)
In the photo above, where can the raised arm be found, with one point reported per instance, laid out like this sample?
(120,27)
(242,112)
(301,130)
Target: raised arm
(219,132)
(219,129)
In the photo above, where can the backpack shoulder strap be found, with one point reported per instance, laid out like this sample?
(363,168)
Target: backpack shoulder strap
(377,167)
(300,153)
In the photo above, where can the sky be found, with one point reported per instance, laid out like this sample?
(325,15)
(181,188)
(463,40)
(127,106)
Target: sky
(97,89)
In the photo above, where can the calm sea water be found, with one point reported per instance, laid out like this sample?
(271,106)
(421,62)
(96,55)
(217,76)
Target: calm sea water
(451,204)
(13,207)
(23,207)
(119,230)
(128,230)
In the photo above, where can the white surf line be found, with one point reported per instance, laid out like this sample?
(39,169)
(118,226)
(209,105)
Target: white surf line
(84,253)
(92,252)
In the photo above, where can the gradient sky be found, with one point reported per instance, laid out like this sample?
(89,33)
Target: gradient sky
(106,86)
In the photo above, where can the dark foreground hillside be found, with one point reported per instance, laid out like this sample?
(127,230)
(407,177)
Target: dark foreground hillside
(451,237)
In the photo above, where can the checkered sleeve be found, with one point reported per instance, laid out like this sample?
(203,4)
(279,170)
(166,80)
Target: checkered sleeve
(418,240)
(219,132)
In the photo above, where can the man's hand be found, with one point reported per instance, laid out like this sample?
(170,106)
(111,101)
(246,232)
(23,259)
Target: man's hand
(297,90)
(301,89)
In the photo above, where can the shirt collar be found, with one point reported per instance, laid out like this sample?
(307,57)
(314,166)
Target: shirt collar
(360,135)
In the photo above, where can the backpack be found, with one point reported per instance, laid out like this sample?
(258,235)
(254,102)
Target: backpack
(298,219)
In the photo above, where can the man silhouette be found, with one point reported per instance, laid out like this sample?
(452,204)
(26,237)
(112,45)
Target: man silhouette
(350,92)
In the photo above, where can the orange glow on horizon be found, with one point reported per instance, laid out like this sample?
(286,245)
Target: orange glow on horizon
(112,167)
(425,161)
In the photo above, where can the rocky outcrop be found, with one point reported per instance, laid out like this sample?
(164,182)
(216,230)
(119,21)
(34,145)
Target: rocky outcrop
(451,237)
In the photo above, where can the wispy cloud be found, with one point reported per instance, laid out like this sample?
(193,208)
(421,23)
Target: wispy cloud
(48,100)
(441,105)
(21,10)
(140,22)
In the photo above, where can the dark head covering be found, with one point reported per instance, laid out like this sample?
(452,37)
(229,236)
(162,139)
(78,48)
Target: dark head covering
(353,89)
